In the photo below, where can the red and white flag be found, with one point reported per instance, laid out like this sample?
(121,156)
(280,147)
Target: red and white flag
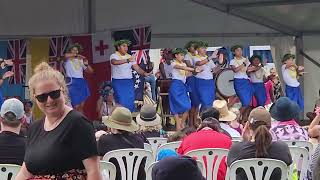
(102,47)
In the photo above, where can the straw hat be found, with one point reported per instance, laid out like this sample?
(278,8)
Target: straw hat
(225,114)
(148,116)
(121,119)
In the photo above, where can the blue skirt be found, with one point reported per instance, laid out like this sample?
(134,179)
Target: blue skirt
(78,91)
(260,93)
(178,97)
(124,92)
(295,94)
(206,91)
(244,91)
(191,83)
(1,98)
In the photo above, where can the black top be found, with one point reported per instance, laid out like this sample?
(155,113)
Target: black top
(112,142)
(246,150)
(12,147)
(61,149)
(151,134)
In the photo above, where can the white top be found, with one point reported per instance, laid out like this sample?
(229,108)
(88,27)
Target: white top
(74,68)
(178,73)
(238,62)
(207,68)
(190,57)
(230,130)
(123,71)
(289,77)
(168,70)
(257,77)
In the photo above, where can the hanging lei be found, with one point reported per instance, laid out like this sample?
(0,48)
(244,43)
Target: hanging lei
(125,57)
(293,72)
(259,74)
(181,72)
(240,62)
(76,66)
(202,57)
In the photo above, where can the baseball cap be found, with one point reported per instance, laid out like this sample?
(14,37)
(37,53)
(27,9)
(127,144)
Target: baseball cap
(12,105)
(260,114)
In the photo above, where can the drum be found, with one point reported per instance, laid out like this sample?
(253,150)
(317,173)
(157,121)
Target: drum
(164,85)
(224,83)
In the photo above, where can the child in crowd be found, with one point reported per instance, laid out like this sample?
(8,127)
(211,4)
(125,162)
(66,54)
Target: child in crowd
(105,104)
(235,123)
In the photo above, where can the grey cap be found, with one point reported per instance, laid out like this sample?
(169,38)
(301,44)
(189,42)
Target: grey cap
(13,105)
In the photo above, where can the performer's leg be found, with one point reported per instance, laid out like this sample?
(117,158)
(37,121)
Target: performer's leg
(184,119)
(80,107)
(178,122)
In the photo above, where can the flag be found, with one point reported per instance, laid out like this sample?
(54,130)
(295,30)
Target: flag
(140,38)
(57,47)
(102,47)
(39,52)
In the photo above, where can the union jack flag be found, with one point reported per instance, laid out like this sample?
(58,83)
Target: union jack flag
(16,50)
(58,46)
(140,38)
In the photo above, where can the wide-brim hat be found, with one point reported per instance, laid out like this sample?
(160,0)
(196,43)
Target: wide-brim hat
(148,116)
(225,114)
(285,109)
(121,119)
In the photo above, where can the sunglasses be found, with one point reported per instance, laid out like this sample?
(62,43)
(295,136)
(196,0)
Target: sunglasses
(44,97)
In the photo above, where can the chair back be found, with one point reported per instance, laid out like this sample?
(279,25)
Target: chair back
(9,171)
(213,156)
(305,144)
(155,143)
(258,166)
(108,170)
(147,146)
(129,161)
(171,145)
(300,161)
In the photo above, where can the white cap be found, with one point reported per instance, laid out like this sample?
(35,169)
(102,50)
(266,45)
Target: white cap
(13,105)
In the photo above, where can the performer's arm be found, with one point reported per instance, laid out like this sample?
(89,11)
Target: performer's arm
(203,62)
(187,68)
(252,69)
(88,68)
(162,71)
(237,69)
(140,71)
(188,63)
(6,75)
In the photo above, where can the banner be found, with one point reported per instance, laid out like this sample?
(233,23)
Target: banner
(39,52)
(102,47)
(140,38)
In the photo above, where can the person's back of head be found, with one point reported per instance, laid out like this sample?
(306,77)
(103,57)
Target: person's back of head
(260,123)
(177,168)
(12,113)
(210,112)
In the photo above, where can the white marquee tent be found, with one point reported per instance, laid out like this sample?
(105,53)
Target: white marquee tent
(286,25)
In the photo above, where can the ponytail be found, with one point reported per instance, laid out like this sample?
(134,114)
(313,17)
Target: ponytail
(263,139)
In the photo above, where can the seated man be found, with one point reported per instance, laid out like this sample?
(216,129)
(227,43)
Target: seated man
(12,144)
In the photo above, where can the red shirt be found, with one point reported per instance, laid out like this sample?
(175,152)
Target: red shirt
(207,139)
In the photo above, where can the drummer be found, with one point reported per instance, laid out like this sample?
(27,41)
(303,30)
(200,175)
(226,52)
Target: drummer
(205,85)
(242,84)
(178,93)
(257,77)
(165,66)
(195,102)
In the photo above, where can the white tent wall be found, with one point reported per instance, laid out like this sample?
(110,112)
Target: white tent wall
(311,80)
(45,17)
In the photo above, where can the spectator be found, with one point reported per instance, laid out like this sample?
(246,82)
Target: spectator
(63,142)
(12,144)
(286,113)
(28,112)
(235,124)
(208,135)
(177,168)
(122,127)
(150,122)
(314,127)
(259,144)
(179,135)
(226,117)
(164,153)
(105,104)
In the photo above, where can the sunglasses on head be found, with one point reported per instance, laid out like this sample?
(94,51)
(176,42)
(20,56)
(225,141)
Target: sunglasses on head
(44,97)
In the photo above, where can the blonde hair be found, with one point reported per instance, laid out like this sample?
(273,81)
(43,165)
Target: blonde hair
(44,71)
(236,111)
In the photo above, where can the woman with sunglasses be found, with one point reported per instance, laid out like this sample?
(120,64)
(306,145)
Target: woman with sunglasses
(62,145)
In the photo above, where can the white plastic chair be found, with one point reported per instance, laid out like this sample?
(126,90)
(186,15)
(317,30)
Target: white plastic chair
(212,166)
(258,164)
(300,159)
(147,146)
(149,170)
(108,170)
(305,144)
(9,171)
(155,143)
(171,145)
(133,158)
